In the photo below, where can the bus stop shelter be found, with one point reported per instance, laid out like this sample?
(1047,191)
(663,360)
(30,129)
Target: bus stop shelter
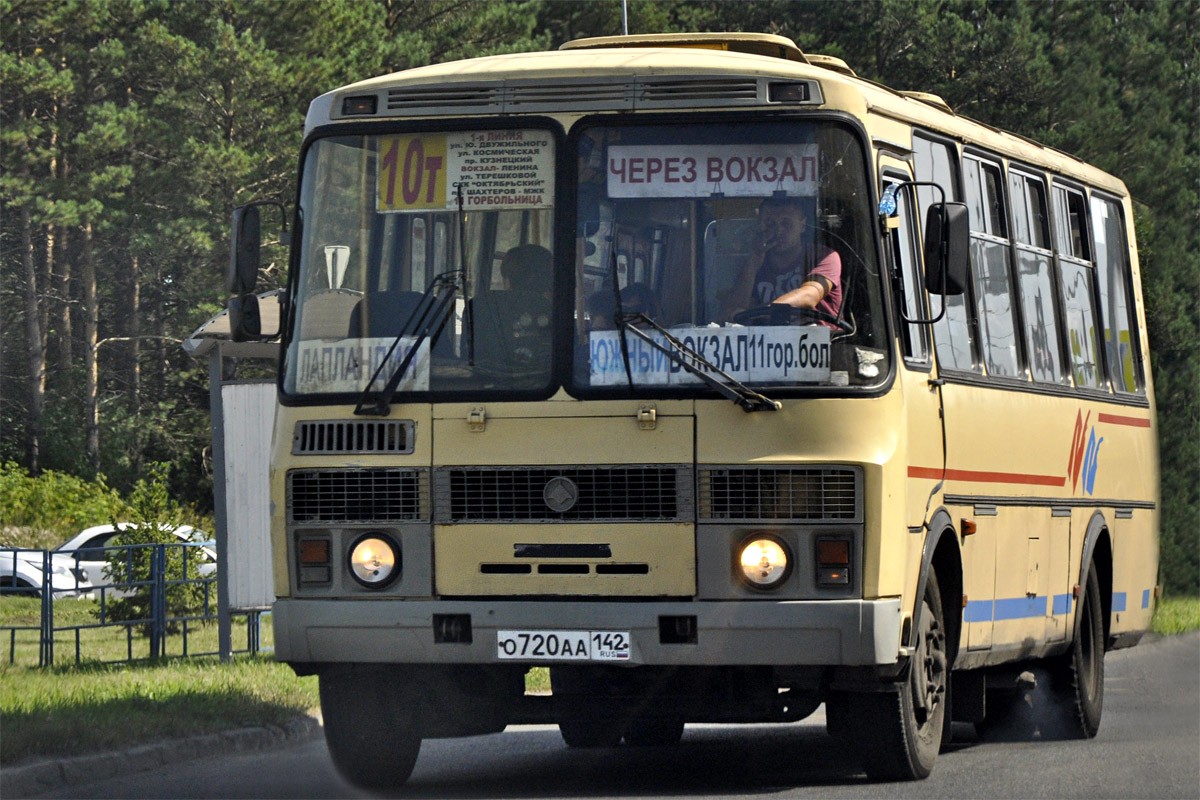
(242,401)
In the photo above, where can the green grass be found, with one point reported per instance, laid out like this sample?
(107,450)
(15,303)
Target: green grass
(64,711)
(108,644)
(1176,615)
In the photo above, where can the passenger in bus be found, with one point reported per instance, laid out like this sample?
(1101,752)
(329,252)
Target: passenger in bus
(787,265)
(512,326)
(528,268)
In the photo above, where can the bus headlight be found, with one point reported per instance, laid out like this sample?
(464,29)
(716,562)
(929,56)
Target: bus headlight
(374,560)
(764,562)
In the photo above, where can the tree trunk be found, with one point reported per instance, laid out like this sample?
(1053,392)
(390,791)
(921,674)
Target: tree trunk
(91,320)
(57,265)
(35,352)
(134,332)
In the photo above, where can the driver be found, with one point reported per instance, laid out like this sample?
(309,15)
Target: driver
(786,266)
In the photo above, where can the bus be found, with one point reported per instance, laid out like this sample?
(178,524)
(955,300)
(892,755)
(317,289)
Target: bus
(548,399)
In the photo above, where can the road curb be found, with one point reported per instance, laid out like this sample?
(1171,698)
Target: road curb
(26,780)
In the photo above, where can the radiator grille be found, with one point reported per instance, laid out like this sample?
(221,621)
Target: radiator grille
(341,437)
(610,493)
(802,494)
(357,495)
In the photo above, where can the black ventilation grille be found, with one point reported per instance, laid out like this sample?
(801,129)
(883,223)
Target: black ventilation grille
(357,495)
(593,493)
(341,437)
(579,94)
(793,494)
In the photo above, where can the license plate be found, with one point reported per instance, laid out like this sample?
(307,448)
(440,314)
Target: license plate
(563,645)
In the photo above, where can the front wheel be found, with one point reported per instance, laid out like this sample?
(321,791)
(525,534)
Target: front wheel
(370,728)
(898,733)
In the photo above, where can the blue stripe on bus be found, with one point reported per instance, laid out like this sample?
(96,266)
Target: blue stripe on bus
(1062,604)
(978,611)
(1027,607)
(1020,608)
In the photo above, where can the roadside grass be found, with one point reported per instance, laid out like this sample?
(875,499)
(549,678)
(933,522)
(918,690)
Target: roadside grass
(69,710)
(65,711)
(1176,615)
(76,639)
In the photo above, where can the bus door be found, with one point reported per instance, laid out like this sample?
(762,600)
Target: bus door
(922,398)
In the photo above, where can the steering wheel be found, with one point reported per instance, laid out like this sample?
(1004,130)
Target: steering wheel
(785,314)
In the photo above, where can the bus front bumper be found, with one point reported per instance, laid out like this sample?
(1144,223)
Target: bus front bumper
(790,632)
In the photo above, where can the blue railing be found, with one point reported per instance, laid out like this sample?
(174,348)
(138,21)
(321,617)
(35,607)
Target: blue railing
(157,619)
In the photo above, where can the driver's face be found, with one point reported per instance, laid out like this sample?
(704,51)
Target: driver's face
(782,227)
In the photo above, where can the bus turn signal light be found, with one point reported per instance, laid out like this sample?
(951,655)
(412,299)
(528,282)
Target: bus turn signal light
(833,562)
(315,562)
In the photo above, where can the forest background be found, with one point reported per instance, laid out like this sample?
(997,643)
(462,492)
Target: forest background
(130,128)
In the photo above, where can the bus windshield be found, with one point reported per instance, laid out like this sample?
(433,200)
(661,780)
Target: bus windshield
(748,242)
(438,241)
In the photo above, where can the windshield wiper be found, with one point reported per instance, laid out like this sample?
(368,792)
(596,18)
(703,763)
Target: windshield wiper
(746,398)
(426,321)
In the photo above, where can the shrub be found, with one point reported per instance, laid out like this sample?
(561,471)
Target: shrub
(47,510)
(154,517)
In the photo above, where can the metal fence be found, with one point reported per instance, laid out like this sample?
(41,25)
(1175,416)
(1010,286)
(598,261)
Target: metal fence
(125,603)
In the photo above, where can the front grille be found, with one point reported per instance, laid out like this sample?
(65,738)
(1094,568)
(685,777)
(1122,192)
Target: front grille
(595,493)
(357,495)
(343,437)
(794,494)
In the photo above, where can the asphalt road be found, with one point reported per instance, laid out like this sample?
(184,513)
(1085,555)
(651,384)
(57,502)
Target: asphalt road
(1148,747)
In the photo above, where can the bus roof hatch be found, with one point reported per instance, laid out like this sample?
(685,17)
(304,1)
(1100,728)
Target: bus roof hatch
(763,44)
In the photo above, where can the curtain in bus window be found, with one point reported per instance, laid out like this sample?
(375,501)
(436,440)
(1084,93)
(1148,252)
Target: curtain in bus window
(1080,323)
(1112,274)
(989,263)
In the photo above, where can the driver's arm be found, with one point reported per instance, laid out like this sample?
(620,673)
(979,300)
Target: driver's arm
(809,294)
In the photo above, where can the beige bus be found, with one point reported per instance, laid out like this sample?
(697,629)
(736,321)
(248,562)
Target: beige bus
(715,379)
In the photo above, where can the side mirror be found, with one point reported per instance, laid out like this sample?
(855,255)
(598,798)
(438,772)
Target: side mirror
(947,248)
(245,323)
(244,249)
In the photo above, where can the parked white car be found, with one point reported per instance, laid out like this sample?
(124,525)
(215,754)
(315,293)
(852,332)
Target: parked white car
(87,550)
(22,572)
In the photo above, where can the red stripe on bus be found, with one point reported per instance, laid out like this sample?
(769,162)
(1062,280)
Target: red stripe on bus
(987,477)
(1117,419)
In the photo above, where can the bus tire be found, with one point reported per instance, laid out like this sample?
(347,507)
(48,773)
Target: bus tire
(583,732)
(899,733)
(1077,678)
(654,732)
(370,728)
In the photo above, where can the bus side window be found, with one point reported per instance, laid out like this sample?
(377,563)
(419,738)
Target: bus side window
(914,337)
(953,334)
(1035,278)
(1114,279)
(990,266)
(1078,289)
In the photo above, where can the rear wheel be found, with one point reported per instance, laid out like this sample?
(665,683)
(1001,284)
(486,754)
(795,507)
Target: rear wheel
(898,733)
(1077,678)
(370,727)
